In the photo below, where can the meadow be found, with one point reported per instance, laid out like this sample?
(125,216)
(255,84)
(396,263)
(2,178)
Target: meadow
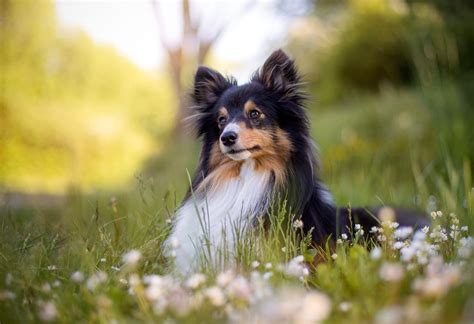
(98,257)
(93,167)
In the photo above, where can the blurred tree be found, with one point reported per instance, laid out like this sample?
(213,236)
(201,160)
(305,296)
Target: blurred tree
(355,45)
(193,48)
(71,112)
(458,17)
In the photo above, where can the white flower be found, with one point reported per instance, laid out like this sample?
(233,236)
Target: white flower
(314,309)
(298,223)
(103,260)
(215,295)
(52,267)
(334,256)
(47,311)
(77,277)
(240,289)
(158,287)
(419,236)
(283,249)
(290,305)
(391,272)
(196,280)
(398,245)
(133,280)
(439,279)
(403,233)
(224,278)
(345,306)
(407,253)
(96,279)
(255,264)
(344,236)
(268,265)
(357,227)
(430,287)
(154,292)
(298,259)
(393,314)
(296,268)
(132,257)
(376,253)
(394,225)
(153,279)
(267,275)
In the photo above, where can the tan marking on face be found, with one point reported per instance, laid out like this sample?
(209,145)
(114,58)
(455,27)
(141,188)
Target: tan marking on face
(222,168)
(216,156)
(251,137)
(249,106)
(275,148)
(274,152)
(223,112)
(275,156)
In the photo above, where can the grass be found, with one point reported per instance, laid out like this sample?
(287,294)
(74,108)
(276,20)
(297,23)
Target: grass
(98,257)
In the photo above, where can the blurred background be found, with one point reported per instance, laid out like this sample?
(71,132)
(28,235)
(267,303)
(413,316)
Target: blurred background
(92,95)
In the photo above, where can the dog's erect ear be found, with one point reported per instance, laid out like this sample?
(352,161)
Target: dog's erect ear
(279,73)
(209,85)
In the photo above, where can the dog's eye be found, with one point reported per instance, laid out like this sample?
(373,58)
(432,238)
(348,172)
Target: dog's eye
(222,120)
(254,114)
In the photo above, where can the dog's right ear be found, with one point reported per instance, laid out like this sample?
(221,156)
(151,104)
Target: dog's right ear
(209,85)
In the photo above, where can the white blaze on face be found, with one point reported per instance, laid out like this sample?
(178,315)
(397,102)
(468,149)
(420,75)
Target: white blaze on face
(233,127)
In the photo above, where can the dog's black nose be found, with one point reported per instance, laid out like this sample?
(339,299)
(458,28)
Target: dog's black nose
(229,138)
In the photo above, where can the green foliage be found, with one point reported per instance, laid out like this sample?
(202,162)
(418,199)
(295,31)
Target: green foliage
(369,51)
(458,19)
(359,46)
(69,108)
(41,249)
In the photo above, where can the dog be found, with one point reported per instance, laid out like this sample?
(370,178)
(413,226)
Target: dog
(256,146)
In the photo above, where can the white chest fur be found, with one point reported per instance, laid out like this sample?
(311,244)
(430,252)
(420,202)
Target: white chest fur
(207,223)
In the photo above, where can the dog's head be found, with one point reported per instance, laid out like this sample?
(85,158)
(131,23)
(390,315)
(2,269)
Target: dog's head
(259,119)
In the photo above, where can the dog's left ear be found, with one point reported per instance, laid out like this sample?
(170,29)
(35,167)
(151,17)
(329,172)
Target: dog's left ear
(209,85)
(279,73)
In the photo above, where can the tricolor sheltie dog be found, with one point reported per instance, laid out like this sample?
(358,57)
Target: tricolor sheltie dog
(256,148)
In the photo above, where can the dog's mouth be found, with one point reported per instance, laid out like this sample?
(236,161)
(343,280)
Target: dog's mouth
(250,149)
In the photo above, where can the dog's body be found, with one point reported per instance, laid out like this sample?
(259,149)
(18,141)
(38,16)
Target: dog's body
(256,147)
